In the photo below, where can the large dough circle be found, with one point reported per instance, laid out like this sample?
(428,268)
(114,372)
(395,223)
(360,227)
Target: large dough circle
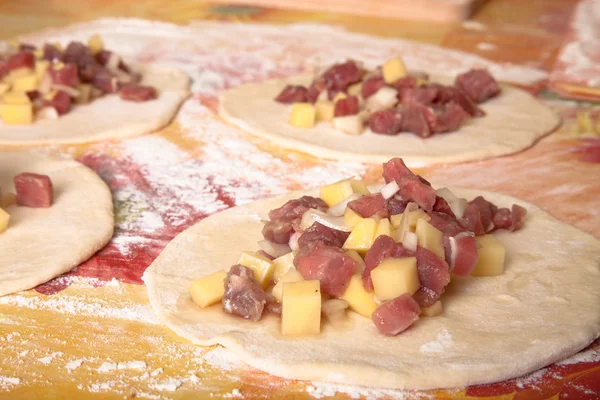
(542,309)
(108,117)
(42,243)
(515,120)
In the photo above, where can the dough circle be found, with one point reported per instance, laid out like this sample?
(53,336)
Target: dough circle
(542,309)
(515,120)
(42,243)
(107,117)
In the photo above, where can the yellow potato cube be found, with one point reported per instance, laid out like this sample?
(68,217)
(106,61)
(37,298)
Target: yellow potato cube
(59,46)
(16,114)
(430,238)
(8,199)
(15,98)
(384,227)
(339,96)
(25,83)
(301,308)
(95,44)
(413,217)
(324,110)
(263,267)
(41,66)
(208,290)
(17,73)
(362,236)
(355,90)
(433,310)
(303,115)
(291,276)
(359,260)
(85,93)
(393,70)
(359,300)
(336,192)
(282,265)
(491,257)
(359,186)
(351,218)
(4,219)
(4,88)
(422,81)
(394,277)
(38,53)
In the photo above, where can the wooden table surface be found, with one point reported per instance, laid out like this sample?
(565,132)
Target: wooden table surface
(92,334)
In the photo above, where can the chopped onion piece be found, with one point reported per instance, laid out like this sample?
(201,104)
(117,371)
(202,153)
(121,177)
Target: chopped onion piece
(453,251)
(410,241)
(274,249)
(45,84)
(293,243)
(404,226)
(337,210)
(334,310)
(350,124)
(311,216)
(389,190)
(113,62)
(457,205)
(71,91)
(384,98)
(48,113)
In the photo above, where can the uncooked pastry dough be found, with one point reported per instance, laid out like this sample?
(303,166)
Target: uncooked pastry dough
(42,243)
(542,309)
(107,117)
(514,121)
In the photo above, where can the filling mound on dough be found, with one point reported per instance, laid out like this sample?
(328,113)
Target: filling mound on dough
(33,190)
(388,100)
(387,255)
(45,82)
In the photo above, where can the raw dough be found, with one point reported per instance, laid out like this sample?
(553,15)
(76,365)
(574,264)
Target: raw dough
(514,121)
(108,117)
(542,309)
(42,243)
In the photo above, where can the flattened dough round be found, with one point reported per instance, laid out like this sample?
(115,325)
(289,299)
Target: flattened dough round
(107,117)
(42,243)
(514,121)
(542,309)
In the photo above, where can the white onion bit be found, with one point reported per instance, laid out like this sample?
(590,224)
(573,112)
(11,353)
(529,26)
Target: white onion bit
(389,190)
(339,209)
(410,241)
(274,249)
(311,216)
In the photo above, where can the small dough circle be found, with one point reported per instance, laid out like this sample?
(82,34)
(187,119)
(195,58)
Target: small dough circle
(107,117)
(514,121)
(492,328)
(42,243)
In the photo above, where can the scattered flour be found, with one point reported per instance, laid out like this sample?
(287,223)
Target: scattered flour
(107,366)
(586,356)
(72,365)
(170,385)
(7,381)
(320,390)
(47,360)
(222,359)
(443,342)
(156,372)
(98,387)
(132,365)
(485,46)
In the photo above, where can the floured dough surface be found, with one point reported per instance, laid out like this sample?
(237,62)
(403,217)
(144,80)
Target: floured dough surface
(108,117)
(42,243)
(514,121)
(542,309)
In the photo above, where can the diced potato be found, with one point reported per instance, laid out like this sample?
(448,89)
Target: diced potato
(303,115)
(208,290)
(413,217)
(433,310)
(491,256)
(359,186)
(355,90)
(422,81)
(291,276)
(17,73)
(85,93)
(58,65)
(324,110)
(263,267)
(362,236)
(282,265)
(16,114)
(430,238)
(394,277)
(336,192)
(301,308)
(351,218)
(359,300)
(339,96)
(353,254)
(350,124)
(41,66)
(38,53)
(393,70)
(4,219)
(50,95)
(25,83)
(8,199)
(95,44)
(4,88)
(384,227)
(15,98)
